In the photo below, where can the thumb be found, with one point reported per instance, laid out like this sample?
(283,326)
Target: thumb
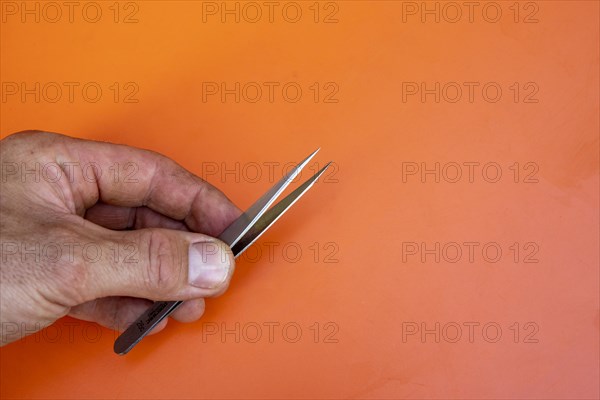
(163,264)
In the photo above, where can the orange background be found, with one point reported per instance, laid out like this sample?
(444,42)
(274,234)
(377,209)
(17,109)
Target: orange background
(363,215)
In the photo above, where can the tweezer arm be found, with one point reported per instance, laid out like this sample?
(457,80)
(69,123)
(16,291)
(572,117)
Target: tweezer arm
(144,324)
(261,220)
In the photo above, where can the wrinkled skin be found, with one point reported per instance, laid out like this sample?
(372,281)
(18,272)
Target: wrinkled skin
(97,230)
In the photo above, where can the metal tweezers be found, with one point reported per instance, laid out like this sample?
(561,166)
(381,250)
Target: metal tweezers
(239,236)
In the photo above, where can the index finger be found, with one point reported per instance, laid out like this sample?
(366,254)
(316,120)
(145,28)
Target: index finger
(132,177)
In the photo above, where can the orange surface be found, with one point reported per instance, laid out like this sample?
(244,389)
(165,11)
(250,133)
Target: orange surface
(365,310)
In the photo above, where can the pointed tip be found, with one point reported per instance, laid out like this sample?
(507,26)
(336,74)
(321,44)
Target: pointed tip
(307,160)
(322,170)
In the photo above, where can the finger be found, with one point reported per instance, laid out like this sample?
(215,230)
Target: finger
(131,177)
(189,311)
(114,312)
(119,312)
(119,218)
(161,264)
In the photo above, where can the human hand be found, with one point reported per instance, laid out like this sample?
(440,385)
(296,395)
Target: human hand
(96,230)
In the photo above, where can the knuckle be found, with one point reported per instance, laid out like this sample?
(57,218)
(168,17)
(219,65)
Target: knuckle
(77,281)
(66,274)
(31,134)
(70,280)
(163,275)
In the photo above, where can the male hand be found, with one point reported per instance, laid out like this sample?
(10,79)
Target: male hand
(97,230)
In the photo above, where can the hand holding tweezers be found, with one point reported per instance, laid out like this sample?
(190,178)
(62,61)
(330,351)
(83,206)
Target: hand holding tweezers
(239,236)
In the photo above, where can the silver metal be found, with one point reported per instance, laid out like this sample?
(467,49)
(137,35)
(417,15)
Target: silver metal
(273,214)
(240,226)
(242,232)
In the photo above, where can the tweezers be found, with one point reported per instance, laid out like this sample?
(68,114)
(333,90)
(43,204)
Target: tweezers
(239,236)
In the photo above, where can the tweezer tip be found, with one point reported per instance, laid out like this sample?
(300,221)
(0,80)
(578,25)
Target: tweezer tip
(322,170)
(304,162)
